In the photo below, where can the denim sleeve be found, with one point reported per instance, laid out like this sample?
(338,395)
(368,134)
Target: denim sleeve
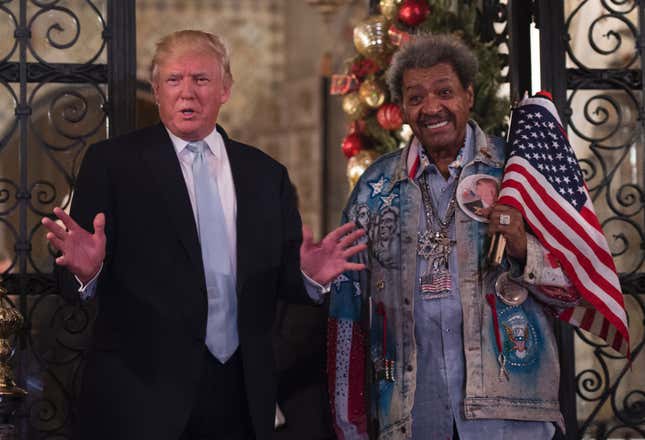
(346,350)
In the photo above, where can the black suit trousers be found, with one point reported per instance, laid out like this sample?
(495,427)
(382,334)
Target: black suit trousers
(220,411)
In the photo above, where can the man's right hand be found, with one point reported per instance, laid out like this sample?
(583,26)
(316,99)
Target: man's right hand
(82,252)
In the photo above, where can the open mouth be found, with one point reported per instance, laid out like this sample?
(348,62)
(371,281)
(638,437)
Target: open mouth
(436,125)
(187,112)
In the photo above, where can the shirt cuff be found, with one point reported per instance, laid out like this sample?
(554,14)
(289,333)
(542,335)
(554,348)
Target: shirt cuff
(315,290)
(541,268)
(87,291)
(532,268)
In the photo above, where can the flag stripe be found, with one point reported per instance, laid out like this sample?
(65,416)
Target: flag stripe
(347,378)
(604,330)
(588,231)
(558,237)
(567,229)
(543,180)
(587,320)
(584,272)
(595,296)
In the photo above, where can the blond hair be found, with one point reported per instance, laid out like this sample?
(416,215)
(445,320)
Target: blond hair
(183,41)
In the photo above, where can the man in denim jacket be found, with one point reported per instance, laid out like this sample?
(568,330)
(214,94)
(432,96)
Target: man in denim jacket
(420,345)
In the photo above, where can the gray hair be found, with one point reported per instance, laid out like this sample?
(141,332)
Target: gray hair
(427,50)
(192,40)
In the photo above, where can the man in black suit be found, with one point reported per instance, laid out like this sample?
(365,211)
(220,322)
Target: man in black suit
(195,237)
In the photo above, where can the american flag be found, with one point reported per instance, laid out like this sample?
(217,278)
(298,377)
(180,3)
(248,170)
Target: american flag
(543,180)
(440,283)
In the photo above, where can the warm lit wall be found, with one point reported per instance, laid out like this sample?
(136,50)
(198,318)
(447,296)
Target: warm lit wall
(276,104)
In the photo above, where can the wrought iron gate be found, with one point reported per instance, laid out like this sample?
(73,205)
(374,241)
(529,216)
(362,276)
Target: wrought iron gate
(591,59)
(67,79)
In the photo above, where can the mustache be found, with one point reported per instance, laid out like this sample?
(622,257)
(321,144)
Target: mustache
(433,119)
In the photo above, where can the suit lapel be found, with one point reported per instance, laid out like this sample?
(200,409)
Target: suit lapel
(163,165)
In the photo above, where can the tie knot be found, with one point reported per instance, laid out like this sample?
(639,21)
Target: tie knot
(198,147)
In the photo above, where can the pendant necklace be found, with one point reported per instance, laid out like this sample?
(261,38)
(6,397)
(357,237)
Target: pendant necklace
(434,246)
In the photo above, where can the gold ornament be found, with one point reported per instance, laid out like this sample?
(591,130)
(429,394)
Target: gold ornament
(390,8)
(353,106)
(371,38)
(357,164)
(372,93)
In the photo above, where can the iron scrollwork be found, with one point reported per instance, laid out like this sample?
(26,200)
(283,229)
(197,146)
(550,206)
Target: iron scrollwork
(54,75)
(605,88)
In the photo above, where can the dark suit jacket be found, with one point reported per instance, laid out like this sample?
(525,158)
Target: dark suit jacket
(143,369)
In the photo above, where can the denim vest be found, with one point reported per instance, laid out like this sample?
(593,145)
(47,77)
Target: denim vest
(371,329)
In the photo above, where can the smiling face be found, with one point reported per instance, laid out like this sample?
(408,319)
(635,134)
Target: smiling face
(486,189)
(189,89)
(437,107)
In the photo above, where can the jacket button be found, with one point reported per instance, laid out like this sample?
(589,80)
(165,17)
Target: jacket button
(380,284)
(409,368)
(406,302)
(531,275)
(403,429)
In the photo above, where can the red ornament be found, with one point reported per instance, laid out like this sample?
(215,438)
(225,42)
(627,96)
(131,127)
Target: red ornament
(364,67)
(389,116)
(414,12)
(397,36)
(352,144)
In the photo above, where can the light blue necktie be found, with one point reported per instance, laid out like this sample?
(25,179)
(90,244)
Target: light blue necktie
(221,326)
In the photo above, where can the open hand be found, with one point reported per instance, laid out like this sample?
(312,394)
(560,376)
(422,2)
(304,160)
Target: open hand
(82,252)
(324,261)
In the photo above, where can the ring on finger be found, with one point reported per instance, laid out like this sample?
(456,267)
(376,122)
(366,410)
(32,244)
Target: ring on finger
(504,219)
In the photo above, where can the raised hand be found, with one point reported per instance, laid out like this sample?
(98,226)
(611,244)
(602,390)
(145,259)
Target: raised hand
(82,252)
(325,260)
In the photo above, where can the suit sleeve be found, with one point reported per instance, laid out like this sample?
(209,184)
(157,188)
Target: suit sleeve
(346,352)
(291,283)
(91,196)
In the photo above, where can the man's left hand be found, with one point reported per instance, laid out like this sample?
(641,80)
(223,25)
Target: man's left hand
(325,260)
(513,230)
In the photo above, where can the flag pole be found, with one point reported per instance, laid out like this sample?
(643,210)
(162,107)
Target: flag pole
(498,242)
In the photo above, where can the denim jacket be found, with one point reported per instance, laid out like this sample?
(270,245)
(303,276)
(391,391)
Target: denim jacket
(512,369)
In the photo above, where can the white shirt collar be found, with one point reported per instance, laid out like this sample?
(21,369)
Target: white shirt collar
(464,155)
(213,140)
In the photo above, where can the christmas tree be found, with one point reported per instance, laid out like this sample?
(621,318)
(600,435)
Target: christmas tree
(376,125)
